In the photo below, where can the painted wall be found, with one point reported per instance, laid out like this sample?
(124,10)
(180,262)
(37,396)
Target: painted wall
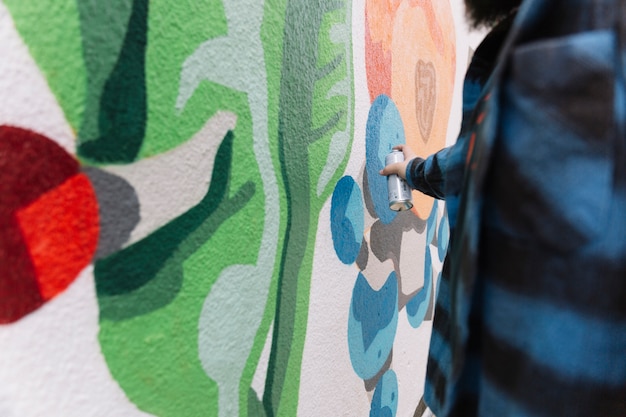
(191,219)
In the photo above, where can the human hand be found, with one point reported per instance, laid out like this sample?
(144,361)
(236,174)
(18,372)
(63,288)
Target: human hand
(399,168)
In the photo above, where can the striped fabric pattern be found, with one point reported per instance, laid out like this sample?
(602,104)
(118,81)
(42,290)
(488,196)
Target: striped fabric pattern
(531,311)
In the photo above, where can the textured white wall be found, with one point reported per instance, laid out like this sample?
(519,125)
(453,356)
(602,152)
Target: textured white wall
(50,361)
(329,385)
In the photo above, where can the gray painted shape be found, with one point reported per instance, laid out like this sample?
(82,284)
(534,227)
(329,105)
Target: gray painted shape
(118,209)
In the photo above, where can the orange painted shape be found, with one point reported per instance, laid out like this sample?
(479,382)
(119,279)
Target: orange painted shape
(423,68)
(377,65)
(470,150)
(60,230)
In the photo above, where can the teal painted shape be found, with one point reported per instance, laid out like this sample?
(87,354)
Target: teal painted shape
(385,400)
(148,274)
(417,307)
(372,325)
(255,406)
(347,220)
(431,224)
(384,130)
(123,105)
(103,26)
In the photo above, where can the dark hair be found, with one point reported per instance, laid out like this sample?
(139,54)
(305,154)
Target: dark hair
(486,13)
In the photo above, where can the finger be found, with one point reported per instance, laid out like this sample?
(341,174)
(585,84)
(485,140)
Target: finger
(386,171)
(395,168)
(406,150)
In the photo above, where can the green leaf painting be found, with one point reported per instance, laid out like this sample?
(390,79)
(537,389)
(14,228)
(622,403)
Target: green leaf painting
(51,29)
(314,125)
(191,304)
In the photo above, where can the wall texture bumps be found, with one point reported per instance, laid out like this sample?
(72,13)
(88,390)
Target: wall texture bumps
(191,219)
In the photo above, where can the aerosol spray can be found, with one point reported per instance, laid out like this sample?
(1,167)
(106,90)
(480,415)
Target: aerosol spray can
(398,190)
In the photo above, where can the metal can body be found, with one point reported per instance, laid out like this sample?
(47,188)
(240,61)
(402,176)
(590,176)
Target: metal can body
(399,193)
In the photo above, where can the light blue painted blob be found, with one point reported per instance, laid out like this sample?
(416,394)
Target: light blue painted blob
(384,130)
(443,237)
(372,325)
(347,219)
(417,307)
(385,400)
(431,224)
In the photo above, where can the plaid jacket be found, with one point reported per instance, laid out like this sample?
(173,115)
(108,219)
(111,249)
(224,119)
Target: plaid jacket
(531,312)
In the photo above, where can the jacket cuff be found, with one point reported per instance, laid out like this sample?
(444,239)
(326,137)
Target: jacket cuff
(411,169)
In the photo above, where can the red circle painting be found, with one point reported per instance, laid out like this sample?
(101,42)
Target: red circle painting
(48,221)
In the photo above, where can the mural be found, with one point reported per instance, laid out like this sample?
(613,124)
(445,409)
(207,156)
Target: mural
(191,217)
(410,85)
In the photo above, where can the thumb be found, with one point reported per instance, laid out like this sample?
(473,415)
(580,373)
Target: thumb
(395,168)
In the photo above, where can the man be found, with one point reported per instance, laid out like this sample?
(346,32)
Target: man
(531,313)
